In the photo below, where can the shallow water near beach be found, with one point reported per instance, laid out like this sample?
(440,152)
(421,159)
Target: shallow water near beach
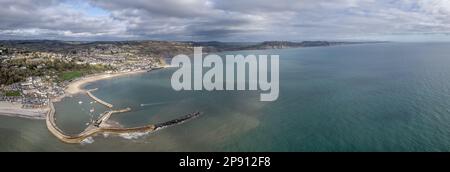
(368,97)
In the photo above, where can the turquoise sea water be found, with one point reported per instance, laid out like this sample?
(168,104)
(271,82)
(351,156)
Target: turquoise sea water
(368,97)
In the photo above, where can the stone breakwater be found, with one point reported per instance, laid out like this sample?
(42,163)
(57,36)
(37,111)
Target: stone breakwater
(109,105)
(99,126)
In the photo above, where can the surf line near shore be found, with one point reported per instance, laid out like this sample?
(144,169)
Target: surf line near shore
(100,125)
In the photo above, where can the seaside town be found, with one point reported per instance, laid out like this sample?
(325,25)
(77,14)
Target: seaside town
(34,73)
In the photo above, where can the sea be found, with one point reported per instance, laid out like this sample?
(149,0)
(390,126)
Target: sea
(360,97)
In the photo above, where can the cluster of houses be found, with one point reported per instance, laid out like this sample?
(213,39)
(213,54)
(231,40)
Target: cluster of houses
(35,93)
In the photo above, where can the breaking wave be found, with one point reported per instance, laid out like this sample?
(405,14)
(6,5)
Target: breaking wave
(132,136)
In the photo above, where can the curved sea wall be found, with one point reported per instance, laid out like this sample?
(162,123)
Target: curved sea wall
(95,129)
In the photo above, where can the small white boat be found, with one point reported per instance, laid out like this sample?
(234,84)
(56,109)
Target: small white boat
(92,110)
(80,102)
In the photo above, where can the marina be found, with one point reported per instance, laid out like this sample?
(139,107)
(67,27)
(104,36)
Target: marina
(99,126)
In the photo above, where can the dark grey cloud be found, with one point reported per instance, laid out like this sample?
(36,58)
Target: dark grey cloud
(166,8)
(172,19)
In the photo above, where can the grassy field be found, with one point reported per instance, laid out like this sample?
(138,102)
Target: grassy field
(12,93)
(67,76)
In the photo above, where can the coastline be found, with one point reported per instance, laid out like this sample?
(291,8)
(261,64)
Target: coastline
(74,87)
(16,110)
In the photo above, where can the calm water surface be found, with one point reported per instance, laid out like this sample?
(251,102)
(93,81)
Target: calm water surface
(373,97)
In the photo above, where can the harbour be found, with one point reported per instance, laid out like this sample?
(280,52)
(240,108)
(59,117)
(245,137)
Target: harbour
(355,100)
(99,126)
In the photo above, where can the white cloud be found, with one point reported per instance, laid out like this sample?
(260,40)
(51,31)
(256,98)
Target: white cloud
(228,20)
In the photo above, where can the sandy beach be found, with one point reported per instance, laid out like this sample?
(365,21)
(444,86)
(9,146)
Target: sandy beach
(76,86)
(16,110)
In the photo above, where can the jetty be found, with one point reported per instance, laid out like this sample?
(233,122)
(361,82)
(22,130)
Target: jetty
(97,99)
(106,115)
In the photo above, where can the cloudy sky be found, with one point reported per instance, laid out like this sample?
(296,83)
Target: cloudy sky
(226,20)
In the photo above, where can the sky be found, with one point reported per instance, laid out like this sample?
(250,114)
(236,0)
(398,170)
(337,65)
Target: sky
(226,20)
